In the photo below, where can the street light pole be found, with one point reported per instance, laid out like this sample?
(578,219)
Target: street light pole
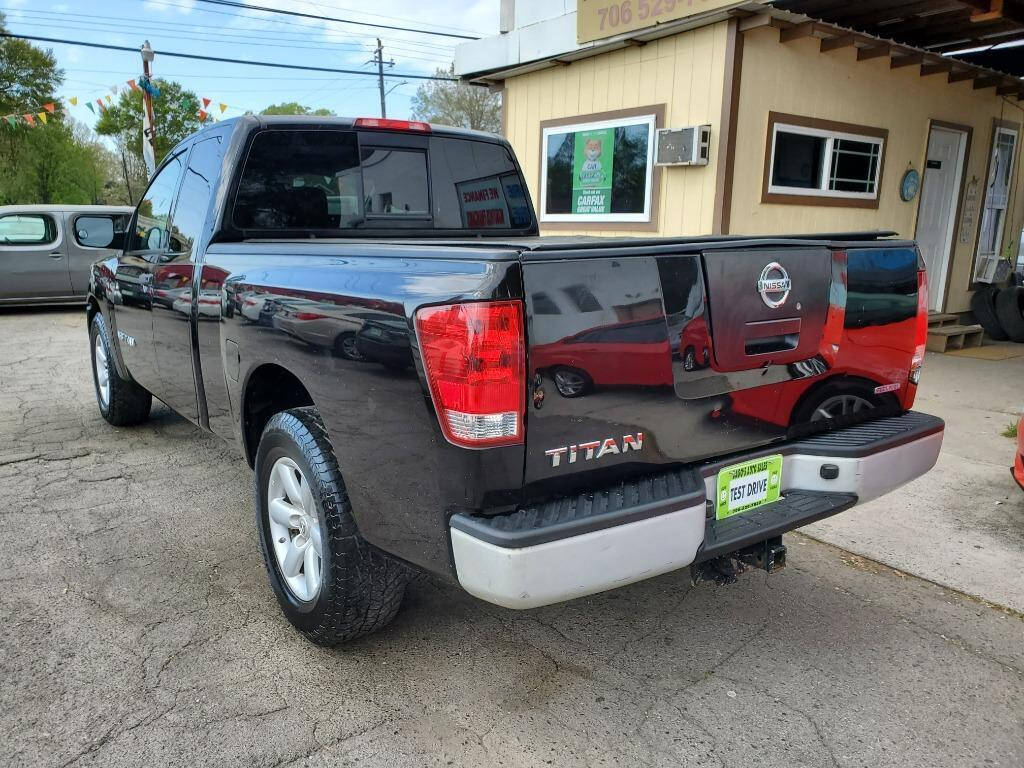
(148,120)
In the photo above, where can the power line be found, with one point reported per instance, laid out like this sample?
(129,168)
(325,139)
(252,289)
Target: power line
(380,15)
(247,7)
(220,59)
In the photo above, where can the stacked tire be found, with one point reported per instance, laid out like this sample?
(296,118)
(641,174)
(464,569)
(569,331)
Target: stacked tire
(1000,311)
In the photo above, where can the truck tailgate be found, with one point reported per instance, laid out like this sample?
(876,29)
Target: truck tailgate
(648,360)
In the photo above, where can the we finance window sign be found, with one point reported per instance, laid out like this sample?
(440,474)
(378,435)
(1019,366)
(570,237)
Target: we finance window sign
(598,19)
(598,171)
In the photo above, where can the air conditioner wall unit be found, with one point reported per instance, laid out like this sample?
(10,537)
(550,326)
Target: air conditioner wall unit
(683,146)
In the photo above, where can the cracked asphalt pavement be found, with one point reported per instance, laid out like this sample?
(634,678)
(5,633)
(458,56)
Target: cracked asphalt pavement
(138,629)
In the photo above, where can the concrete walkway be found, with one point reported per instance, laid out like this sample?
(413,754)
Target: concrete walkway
(962,524)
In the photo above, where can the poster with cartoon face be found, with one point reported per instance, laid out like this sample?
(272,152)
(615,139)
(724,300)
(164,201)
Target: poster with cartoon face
(592,171)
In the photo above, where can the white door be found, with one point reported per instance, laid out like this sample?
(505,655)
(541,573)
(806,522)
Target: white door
(937,211)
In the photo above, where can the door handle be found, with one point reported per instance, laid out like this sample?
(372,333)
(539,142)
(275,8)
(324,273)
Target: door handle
(56,255)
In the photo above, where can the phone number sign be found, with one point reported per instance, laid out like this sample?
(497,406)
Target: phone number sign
(597,19)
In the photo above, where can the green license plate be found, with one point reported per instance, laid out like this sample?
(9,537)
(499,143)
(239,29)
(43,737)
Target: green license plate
(749,485)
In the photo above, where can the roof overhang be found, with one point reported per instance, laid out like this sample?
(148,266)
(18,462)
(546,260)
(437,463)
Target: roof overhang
(876,28)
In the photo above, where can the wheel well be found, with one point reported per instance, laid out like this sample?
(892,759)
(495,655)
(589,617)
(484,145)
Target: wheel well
(270,389)
(856,384)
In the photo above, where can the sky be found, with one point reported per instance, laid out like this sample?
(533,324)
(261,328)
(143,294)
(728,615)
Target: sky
(190,26)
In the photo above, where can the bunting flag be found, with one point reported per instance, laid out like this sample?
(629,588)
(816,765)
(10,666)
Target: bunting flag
(49,107)
(42,116)
(134,87)
(91,107)
(222,106)
(206,103)
(30,119)
(74,100)
(203,114)
(107,97)
(100,104)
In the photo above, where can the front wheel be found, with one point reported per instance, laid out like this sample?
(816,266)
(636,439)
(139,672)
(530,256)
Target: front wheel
(331,584)
(121,402)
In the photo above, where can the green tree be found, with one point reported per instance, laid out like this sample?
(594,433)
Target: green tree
(175,112)
(29,76)
(457,103)
(294,108)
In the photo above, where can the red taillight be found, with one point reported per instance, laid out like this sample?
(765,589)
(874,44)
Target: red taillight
(384,123)
(475,361)
(921,328)
(307,316)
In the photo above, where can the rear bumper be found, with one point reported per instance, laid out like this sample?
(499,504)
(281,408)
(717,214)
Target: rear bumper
(571,547)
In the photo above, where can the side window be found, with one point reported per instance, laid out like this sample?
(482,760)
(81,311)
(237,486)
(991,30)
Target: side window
(27,229)
(194,197)
(154,212)
(104,231)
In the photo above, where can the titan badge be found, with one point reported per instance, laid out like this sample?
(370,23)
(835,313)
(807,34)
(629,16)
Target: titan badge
(595,449)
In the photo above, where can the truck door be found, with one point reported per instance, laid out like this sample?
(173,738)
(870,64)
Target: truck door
(33,261)
(148,248)
(178,301)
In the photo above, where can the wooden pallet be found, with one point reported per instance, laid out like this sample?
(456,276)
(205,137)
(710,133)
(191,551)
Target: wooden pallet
(940,319)
(942,338)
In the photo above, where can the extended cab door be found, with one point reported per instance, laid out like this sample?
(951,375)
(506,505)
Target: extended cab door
(148,248)
(33,262)
(178,301)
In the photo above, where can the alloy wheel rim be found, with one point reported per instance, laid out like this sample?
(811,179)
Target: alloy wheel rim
(295,530)
(102,373)
(350,349)
(841,405)
(569,383)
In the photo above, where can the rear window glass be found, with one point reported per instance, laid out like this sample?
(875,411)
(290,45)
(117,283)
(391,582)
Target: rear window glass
(327,180)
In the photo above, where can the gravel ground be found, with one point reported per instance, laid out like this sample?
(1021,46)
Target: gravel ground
(139,630)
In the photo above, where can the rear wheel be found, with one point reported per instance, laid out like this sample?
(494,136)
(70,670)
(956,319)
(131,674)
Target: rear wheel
(121,402)
(840,400)
(570,382)
(331,584)
(345,345)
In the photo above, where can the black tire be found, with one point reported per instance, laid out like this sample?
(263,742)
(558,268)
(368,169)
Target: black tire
(1010,311)
(983,306)
(126,403)
(345,346)
(361,588)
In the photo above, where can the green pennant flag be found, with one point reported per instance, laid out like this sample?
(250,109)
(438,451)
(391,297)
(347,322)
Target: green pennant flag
(91,107)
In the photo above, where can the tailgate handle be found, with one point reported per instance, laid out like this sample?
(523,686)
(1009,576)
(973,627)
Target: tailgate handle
(767,336)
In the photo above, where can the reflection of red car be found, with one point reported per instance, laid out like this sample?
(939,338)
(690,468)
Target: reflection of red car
(695,344)
(1018,464)
(594,358)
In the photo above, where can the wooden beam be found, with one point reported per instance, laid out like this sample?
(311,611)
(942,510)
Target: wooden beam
(987,82)
(959,77)
(876,52)
(797,32)
(994,13)
(762,20)
(934,69)
(906,61)
(835,43)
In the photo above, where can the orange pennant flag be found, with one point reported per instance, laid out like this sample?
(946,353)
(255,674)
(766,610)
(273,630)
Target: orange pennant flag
(49,107)
(74,101)
(206,102)
(133,86)
(203,114)
(107,97)
(29,119)
(42,116)
(222,107)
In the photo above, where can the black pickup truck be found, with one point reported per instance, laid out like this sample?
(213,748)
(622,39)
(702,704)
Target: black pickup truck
(421,383)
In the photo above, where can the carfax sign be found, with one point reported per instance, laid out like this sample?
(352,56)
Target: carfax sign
(592,171)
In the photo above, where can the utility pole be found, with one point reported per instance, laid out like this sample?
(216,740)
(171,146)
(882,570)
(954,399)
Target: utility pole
(378,59)
(148,121)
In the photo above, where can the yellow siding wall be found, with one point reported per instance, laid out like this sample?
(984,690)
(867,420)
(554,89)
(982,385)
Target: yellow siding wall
(796,78)
(684,72)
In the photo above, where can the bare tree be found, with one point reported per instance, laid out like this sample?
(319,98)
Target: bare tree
(457,103)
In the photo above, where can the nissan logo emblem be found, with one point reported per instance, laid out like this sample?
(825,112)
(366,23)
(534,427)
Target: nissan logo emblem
(774,285)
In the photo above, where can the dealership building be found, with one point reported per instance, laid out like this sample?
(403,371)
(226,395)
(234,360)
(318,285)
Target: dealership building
(691,117)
